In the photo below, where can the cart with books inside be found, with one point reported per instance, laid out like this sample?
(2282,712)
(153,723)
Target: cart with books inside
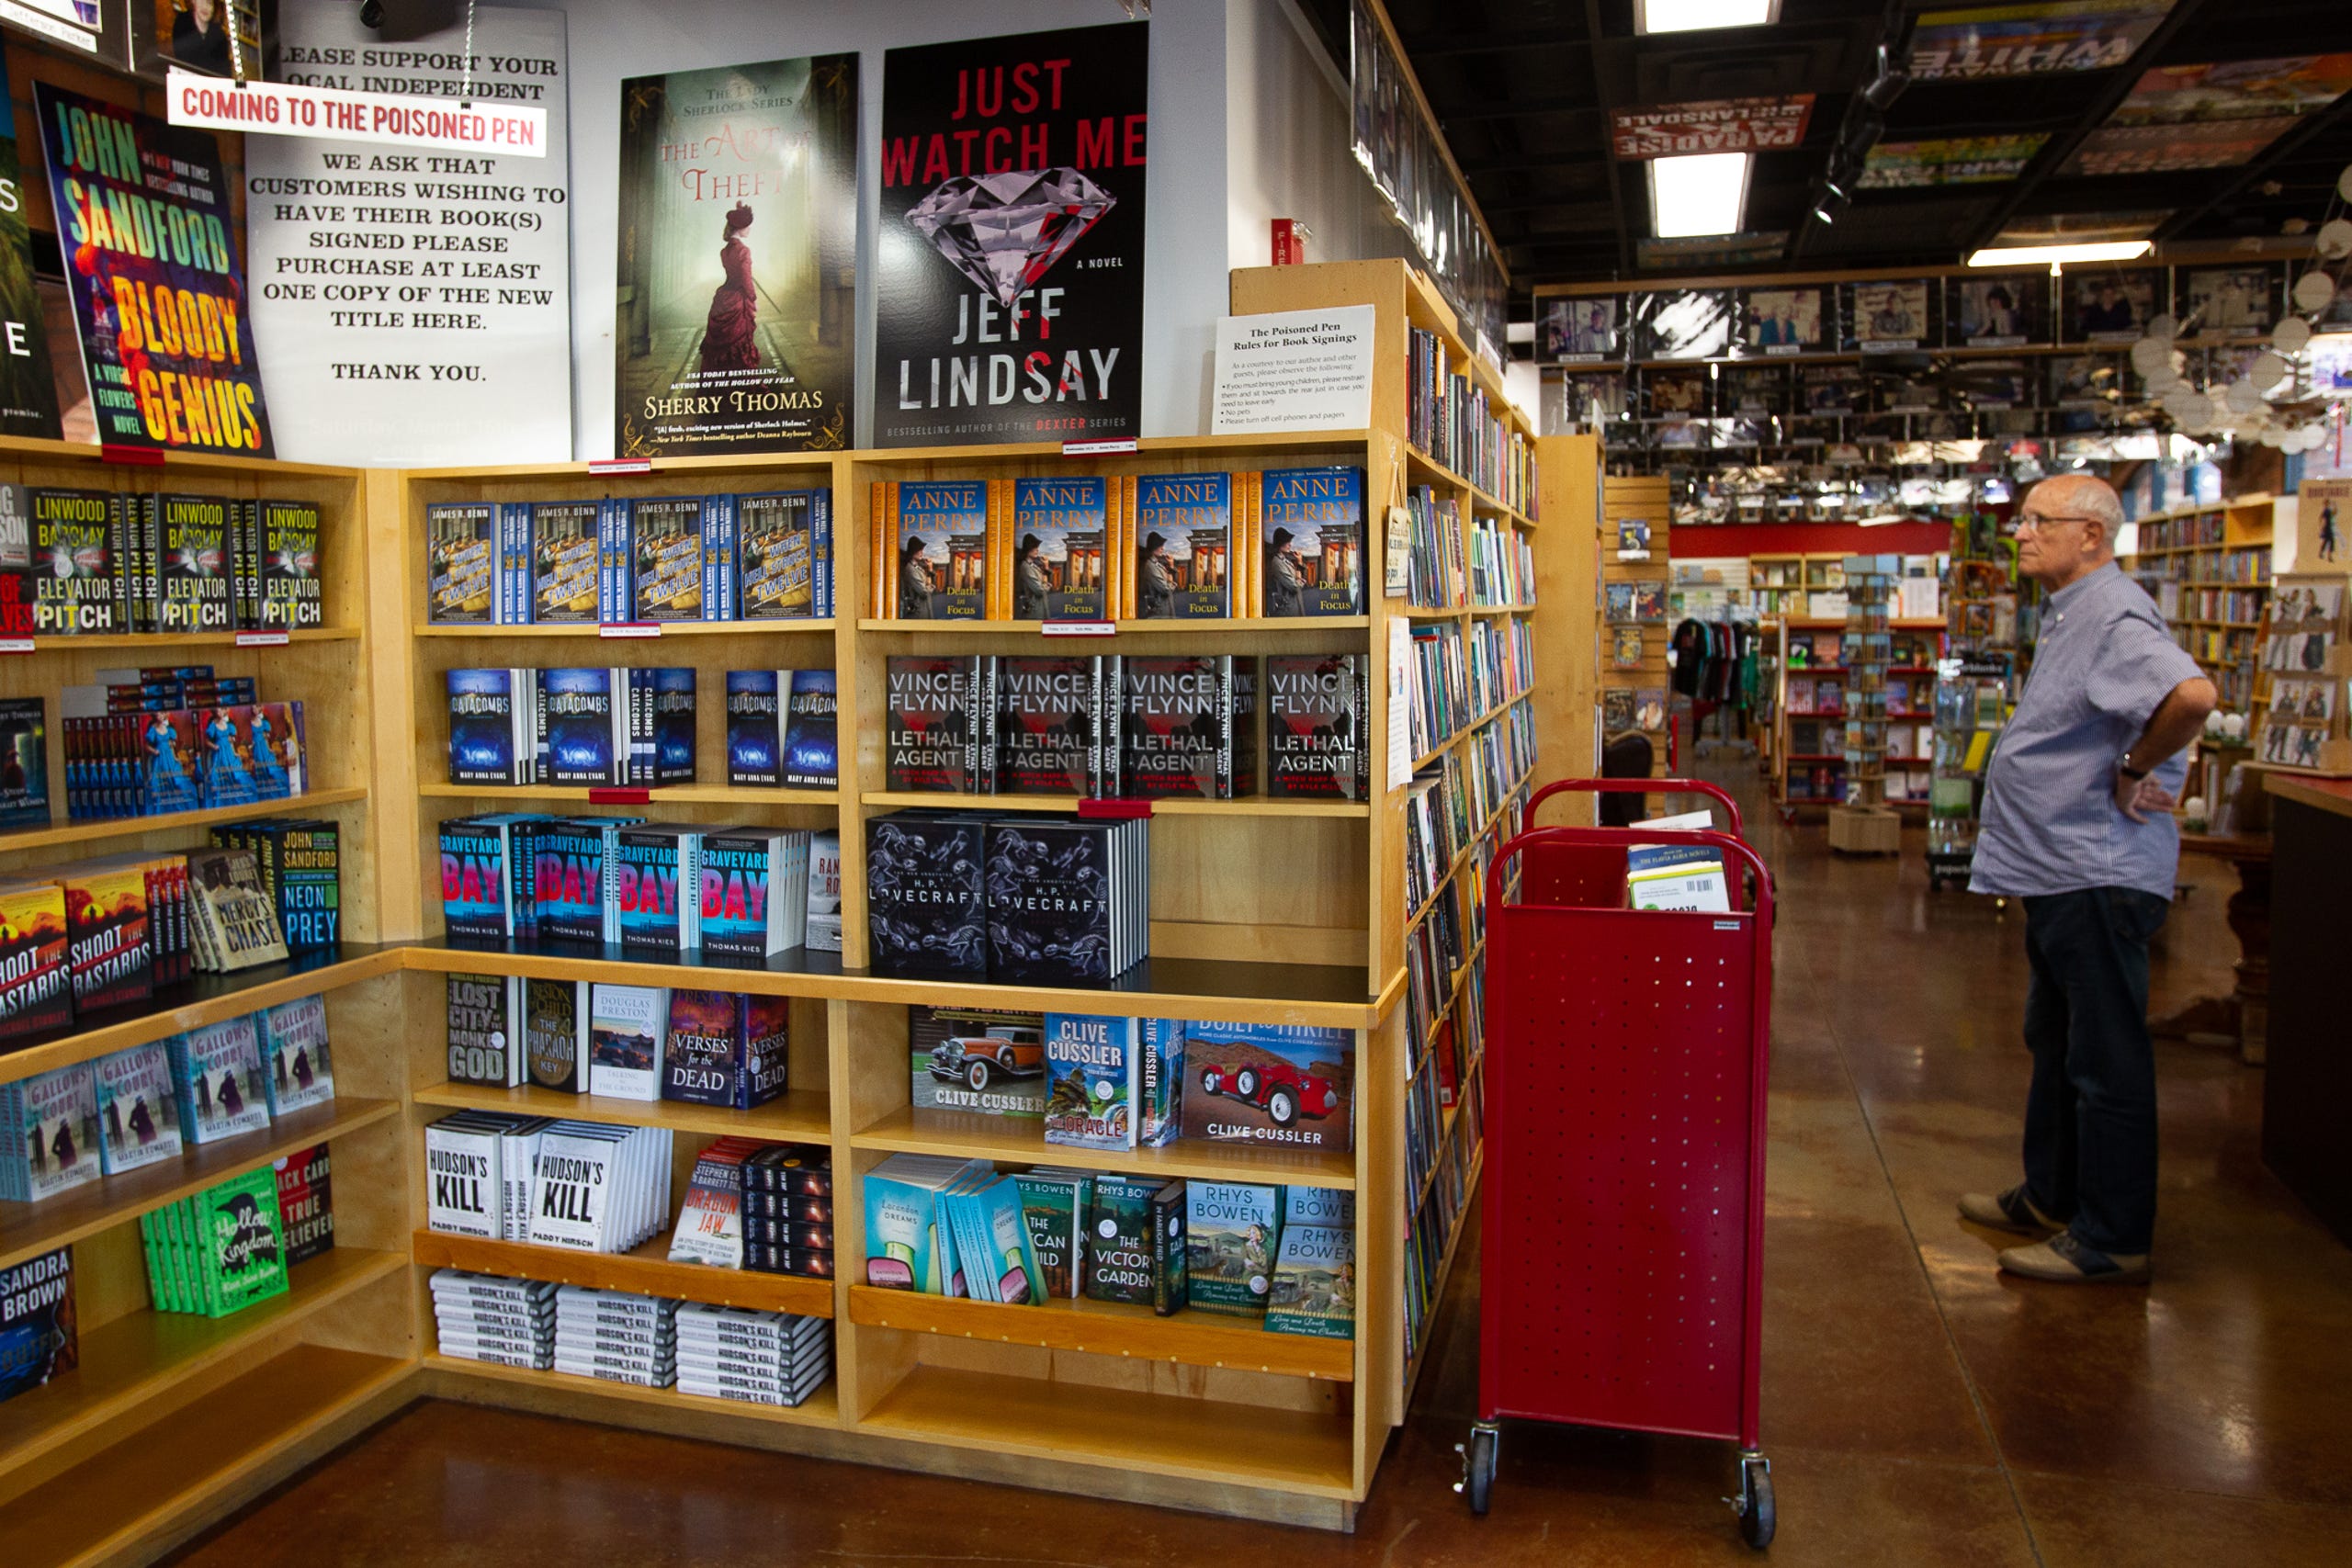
(1630,1296)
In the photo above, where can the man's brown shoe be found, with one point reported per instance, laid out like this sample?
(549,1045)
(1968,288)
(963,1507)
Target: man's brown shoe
(2011,1211)
(2064,1260)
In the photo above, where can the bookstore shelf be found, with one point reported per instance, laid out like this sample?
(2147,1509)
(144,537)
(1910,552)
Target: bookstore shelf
(110,641)
(644,794)
(634,631)
(801,1115)
(461,1379)
(129,1501)
(206,998)
(1184,631)
(1133,1331)
(965,1136)
(143,1355)
(97,830)
(647,1272)
(28,1230)
(1072,1424)
(1445,1269)
(1247,806)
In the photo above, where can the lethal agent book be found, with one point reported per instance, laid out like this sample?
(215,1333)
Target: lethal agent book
(1049,714)
(1315,707)
(938,716)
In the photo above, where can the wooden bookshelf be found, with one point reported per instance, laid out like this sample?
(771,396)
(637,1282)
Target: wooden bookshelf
(1190,1337)
(647,1272)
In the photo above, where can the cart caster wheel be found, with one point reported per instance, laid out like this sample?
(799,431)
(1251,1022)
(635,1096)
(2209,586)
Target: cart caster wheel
(1477,1481)
(1755,1516)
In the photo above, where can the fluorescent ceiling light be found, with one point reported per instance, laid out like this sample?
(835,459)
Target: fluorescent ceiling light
(1691,15)
(1704,193)
(2059,256)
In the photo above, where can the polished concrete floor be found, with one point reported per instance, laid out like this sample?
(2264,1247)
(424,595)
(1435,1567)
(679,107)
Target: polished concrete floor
(1919,1408)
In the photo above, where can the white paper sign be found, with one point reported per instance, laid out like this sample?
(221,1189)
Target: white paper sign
(413,308)
(1294,371)
(1400,699)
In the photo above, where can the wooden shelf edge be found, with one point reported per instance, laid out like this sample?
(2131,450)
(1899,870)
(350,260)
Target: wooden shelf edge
(822,1408)
(1247,806)
(802,1116)
(636,1272)
(96,829)
(1017,1140)
(1189,1339)
(656,795)
(593,629)
(110,640)
(1207,626)
(28,1230)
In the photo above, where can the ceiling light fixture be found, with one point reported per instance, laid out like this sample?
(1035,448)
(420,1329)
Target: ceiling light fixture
(2060,256)
(1694,16)
(1700,194)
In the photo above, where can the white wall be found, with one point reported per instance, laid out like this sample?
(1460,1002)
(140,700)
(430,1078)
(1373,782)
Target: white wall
(1287,137)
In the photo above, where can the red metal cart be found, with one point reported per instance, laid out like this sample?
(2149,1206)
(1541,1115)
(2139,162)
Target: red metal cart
(1623,1211)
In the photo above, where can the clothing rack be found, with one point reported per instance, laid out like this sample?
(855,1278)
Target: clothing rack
(1715,671)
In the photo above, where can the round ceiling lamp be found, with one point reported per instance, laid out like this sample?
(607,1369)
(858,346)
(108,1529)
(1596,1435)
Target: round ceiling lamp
(2149,353)
(2314,290)
(2335,238)
(2185,405)
(2292,335)
(2343,183)
(2242,398)
(2163,326)
(2160,380)
(2267,371)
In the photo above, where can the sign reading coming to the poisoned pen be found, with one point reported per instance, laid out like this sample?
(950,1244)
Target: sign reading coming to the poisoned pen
(414,303)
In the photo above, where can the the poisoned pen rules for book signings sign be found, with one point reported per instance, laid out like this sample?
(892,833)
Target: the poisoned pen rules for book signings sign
(414,303)
(1010,302)
(1294,371)
(158,290)
(735,328)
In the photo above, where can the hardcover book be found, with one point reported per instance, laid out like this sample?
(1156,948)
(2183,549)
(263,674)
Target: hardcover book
(810,760)
(51,1121)
(1178,734)
(926,898)
(1316,706)
(288,571)
(109,952)
(1094,1064)
(583,717)
(36,985)
(1313,529)
(1119,1239)
(1060,526)
(626,1028)
(218,1072)
(235,915)
(484,1032)
(754,890)
(1051,917)
(1183,544)
(554,1034)
(1285,1084)
(24,762)
(936,724)
(942,559)
(658,869)
(37,1323)
(776,552)
(138,1109)
(1170,1271)
(1046,715)
(309,883)
(666,581)
(487,737)
(475,900)
(1232,1236)
(464,1195)
(244,1241)
(1616,710)
(78,545)
(1315,1284)
(461,542)
(980,1060)
(306,1202)
(710,1222)
(1054,1206)
(702,1049)
(567,546)
(193,566)
(824,928)
(297,1069)
(671,742)
(755,722)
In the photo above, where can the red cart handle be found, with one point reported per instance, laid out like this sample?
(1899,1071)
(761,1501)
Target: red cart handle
(1759,886)
(1639,786)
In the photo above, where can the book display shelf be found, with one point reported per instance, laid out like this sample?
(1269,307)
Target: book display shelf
(2209,569)
(1263,911)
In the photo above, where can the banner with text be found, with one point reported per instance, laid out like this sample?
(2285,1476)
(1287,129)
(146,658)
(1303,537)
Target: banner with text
(1010,302)
(151,261)
(414,307)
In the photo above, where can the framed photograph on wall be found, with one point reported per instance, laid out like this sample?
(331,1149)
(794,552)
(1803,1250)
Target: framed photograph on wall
(2007,310)
(2111,304)
(1675,394)
(1831,388)
(1582,331)
(1753,391)
(2238,301)
(1893,315)
(1778,322)
(1688,323)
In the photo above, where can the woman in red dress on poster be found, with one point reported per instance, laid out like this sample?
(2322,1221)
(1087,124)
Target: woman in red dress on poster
(734,310)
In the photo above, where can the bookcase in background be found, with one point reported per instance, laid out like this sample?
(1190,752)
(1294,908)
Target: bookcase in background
(1635,681)
(2209,569)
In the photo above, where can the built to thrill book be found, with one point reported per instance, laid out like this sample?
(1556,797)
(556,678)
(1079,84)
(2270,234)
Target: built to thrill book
(738,254)
(1011,281)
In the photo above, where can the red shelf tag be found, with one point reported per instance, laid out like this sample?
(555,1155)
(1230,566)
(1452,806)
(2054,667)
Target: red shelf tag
(630,629)
(133,456)
(621,465)
(1116,810)
(261,639)
(1081,628)
(1093,448)
(620,797)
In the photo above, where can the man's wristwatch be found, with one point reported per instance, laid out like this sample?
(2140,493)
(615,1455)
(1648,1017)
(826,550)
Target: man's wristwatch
(2123,765)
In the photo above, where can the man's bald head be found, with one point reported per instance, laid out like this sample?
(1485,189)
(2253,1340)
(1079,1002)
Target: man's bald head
(2066,529)
(2084,496)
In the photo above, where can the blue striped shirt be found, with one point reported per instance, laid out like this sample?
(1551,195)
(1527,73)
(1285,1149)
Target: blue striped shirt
(2104,665)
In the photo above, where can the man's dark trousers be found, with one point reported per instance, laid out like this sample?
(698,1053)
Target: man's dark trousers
(2090,1118)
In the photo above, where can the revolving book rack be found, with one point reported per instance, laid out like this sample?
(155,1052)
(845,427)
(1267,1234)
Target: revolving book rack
(1262,911)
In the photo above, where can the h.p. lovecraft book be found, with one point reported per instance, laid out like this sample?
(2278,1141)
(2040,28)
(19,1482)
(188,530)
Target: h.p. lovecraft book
(1286,1084)
(1315,1284)
(944,532)
(80,574)
(192,568)
(926,898)
(237,921)
(1232,1235)
(755,720)
(627,1028)
(1061,903)
(1184,547)
(752,885)
(810,745)
(24,762)
(938,716)
(567,540)
(485,1029)
(286,575)
(461,545)
(1060,535)
(216,1069)
(297,1067)
(554,1034)
(1048,714)
(50,1122)
(824,928)
(491,712)
(666,554)
(1119,1250)
(1094,1064)
(36,982)
(139,1108)
(777,554)
(1178,732)
(982,1060)
(1315,707)
(109,952)
(306,1202)
(38,1338)
(1054,1206)
(1313,522)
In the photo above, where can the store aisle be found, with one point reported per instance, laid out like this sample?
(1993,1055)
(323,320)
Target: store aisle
(1919,1408)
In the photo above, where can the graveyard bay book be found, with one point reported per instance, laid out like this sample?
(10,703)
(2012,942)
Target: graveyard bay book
(1060,527)
(936,722)
(1316,704)
(1183,544)
(1313,531)
(1048,710)
(567,544)
(191,535)
(946,529)
(290,593)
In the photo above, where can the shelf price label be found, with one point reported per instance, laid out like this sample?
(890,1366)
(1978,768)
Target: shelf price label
(621,465)
(261,639)
(1099,447)
(629,629)
(1081,628)
(16,645)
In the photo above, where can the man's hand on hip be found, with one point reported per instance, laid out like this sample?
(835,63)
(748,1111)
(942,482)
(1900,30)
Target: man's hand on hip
(2137,798)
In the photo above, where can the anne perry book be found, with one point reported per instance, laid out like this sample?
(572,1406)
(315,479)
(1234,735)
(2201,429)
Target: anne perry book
(1059,530)
(941,565)
(1184,547)
(1313,529)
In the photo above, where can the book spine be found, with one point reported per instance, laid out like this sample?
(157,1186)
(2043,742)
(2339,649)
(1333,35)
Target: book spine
(820,553)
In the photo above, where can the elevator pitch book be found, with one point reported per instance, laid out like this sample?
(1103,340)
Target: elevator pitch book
(736,326)
(1011,241)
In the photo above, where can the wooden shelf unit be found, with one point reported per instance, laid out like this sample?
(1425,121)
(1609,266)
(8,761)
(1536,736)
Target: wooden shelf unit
(2178,558)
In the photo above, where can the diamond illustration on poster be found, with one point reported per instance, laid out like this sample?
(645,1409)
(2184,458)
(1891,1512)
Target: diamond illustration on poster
(1005,232)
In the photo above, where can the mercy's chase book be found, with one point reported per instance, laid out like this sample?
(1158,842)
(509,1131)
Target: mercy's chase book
(1011,302)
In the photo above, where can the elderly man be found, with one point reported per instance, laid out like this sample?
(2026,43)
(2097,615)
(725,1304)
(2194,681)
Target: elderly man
(2076,824)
